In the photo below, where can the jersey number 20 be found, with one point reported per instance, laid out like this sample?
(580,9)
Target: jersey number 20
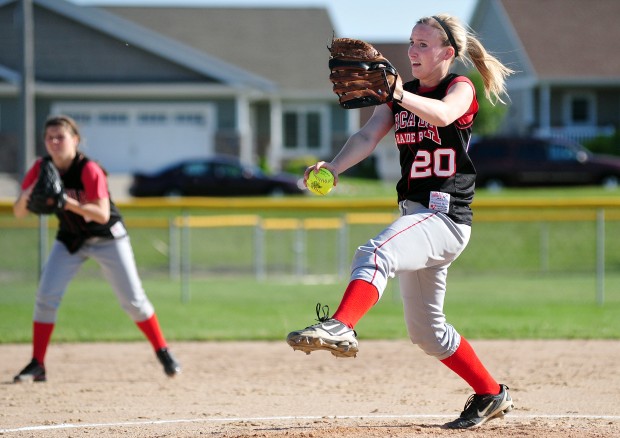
(440,163)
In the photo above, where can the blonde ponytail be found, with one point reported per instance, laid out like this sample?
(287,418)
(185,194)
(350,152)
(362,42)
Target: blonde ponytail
(463,40)
(493,72)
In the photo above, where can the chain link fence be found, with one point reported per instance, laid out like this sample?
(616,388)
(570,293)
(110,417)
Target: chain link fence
(515,240)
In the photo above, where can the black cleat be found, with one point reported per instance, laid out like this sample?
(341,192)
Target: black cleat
(481,408)
(171,366)
(33,372)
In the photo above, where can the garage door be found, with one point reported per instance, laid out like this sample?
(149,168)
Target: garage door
(127,137)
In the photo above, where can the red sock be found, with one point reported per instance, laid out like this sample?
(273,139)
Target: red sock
(466,364)
(41,334)
(358,299)
(150,327)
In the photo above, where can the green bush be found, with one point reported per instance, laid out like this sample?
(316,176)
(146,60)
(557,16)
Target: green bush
(489,116)
(298,165)
(604,144)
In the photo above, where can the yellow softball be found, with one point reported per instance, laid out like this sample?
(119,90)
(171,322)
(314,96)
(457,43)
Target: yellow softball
(320,183)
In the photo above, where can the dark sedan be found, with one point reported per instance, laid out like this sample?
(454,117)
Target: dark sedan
(540,162)
(216,176)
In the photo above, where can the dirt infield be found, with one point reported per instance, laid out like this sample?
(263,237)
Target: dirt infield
(256,389)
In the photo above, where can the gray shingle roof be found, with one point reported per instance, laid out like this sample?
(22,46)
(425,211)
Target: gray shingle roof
(275,43)
(155,42)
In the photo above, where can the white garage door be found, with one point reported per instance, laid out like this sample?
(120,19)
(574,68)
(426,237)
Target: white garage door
(128,137)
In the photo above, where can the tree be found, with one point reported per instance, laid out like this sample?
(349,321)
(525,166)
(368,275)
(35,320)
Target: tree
(489,116)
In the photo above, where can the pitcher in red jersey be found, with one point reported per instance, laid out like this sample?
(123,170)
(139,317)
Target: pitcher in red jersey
(433,123)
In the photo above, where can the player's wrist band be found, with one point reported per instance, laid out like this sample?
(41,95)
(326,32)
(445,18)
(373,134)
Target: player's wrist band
(398,99)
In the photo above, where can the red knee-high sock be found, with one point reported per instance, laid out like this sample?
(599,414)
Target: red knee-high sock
(359,297)
(150,327)
(41,334)
(467,365)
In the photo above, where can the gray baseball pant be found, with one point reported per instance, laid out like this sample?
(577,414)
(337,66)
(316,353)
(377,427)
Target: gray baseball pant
(418,247)
(116,258)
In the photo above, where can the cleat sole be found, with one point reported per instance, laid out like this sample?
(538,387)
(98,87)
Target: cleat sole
(308,345)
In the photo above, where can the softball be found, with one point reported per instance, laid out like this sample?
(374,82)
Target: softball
(320,183)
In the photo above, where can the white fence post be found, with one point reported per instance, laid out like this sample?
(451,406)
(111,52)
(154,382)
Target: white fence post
(342,253)
(185,259)
(259,251)
(173,249)
(43,238)
(544,246)
(600,257)
(300,250)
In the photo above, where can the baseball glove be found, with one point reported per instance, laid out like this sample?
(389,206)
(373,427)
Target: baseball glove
(48,194)
(361,75)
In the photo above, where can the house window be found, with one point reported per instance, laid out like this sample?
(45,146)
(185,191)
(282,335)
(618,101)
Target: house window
(580,109)
(305,128)
(195,119)
(81,118)
(152,118)
(291,128)
(113,118)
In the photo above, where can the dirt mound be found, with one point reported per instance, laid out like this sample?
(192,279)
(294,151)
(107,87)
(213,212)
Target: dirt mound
(561,389)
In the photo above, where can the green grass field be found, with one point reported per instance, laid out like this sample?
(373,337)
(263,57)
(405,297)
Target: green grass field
(480,306)
(502,287)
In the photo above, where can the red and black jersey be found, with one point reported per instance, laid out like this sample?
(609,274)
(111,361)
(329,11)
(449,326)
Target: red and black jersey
(84,180)
(74,229)
(434,160)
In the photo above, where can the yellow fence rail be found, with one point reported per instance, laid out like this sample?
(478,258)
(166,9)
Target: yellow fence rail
(263,205)
(187,213)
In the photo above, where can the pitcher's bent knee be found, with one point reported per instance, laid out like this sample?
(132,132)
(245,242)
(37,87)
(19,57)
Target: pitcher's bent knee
(440,344)
(139,311)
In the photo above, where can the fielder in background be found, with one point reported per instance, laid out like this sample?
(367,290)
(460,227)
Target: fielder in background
(90,226)
(432,116)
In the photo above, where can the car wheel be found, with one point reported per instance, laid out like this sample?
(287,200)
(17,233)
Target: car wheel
(277,192)
(173,193)
(494,184)
(610,182)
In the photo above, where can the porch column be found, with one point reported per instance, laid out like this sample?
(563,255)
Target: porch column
(544,95)
(244,129)
(275,156)
(27,149)
(353,121)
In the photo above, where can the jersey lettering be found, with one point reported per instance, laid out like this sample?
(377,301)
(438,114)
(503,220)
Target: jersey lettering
(404,120)
(440,163)
(430,131)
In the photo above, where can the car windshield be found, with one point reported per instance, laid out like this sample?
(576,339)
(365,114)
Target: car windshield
(196,169)
(566,152)
(220,169)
